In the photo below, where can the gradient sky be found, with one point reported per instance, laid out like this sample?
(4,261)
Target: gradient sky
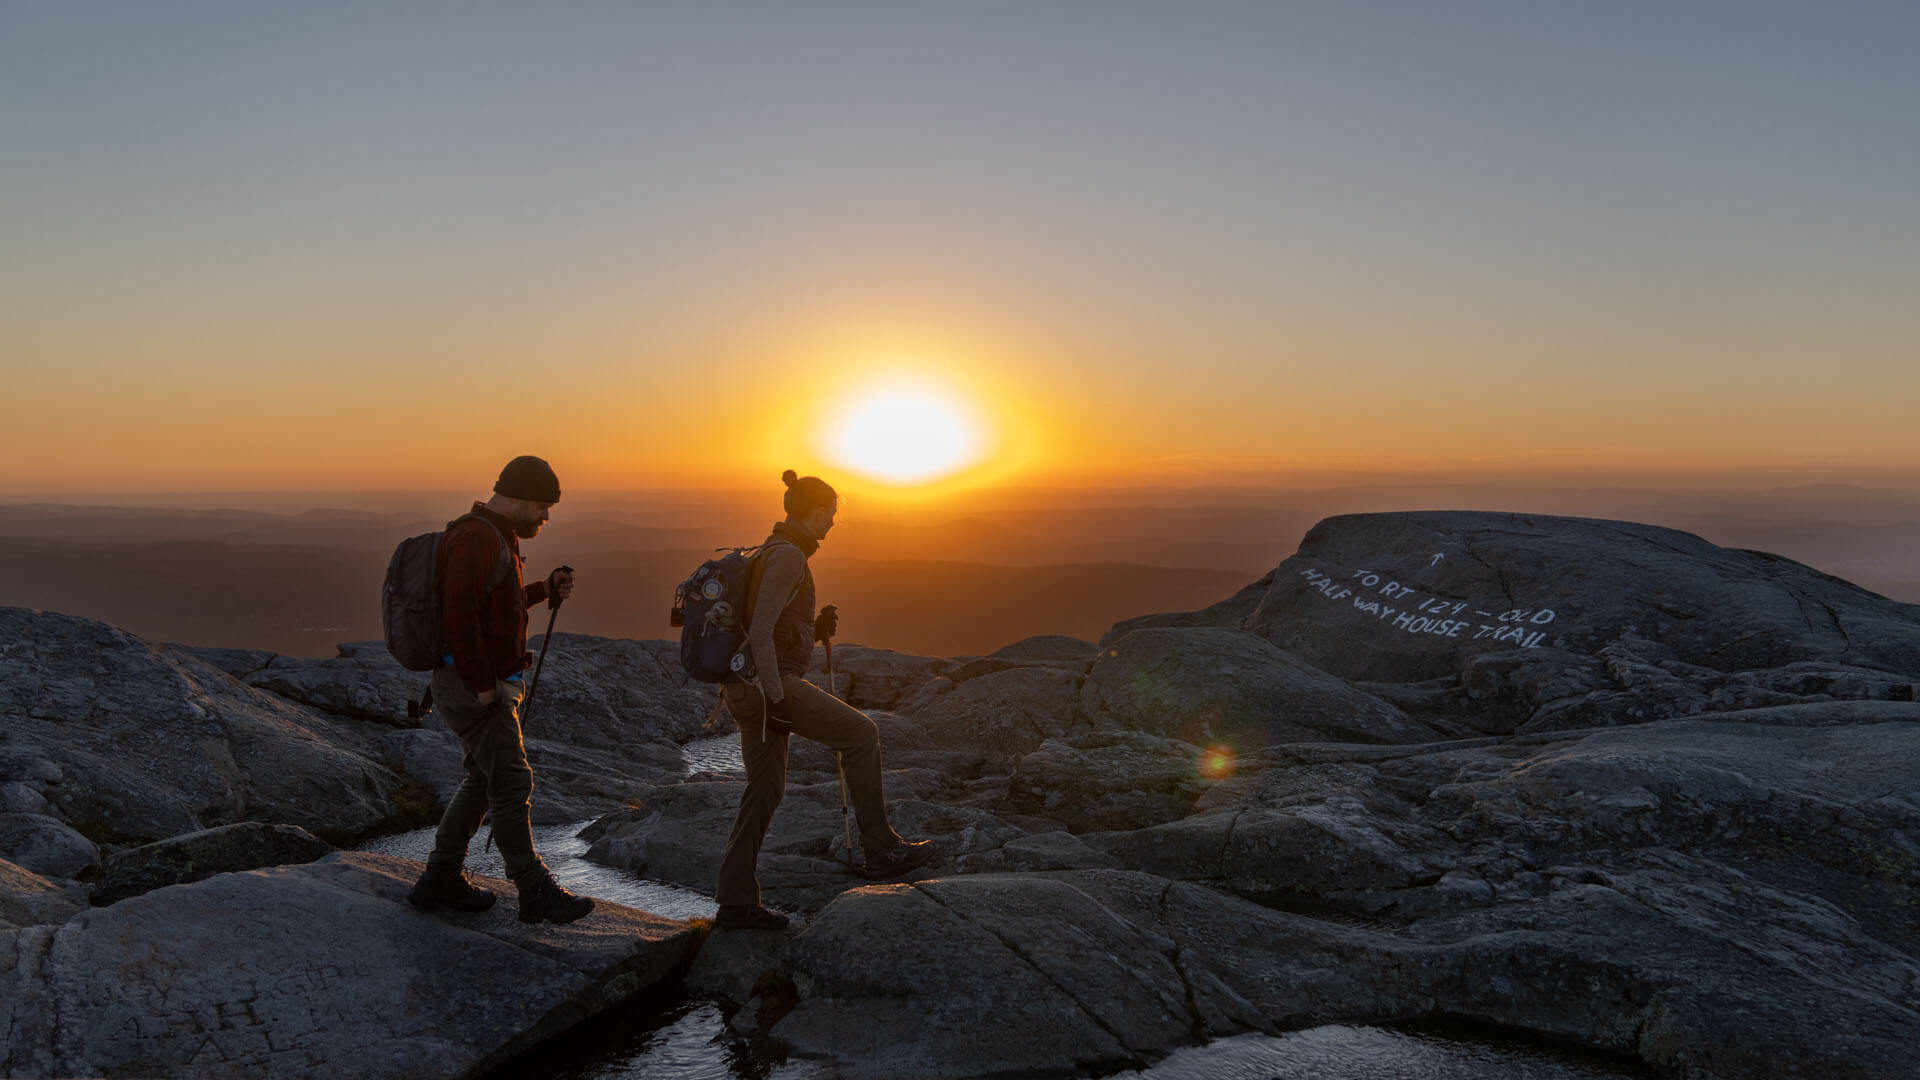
(362,245)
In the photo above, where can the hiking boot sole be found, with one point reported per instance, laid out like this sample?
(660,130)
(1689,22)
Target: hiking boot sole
(887,873)
(557,918)
(436,903)
(777,922)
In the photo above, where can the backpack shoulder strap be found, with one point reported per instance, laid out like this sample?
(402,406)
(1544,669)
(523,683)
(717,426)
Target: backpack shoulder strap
(759,572)
(505,562)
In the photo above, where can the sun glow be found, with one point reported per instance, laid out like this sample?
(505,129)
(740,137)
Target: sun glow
(904,435)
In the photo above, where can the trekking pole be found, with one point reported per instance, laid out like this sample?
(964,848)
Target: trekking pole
(840,761)
(846,824)
(553,606)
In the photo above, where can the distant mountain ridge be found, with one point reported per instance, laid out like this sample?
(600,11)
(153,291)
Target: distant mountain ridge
(954,581)
(303,601)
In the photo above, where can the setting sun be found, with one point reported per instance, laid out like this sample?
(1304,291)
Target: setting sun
(904,435)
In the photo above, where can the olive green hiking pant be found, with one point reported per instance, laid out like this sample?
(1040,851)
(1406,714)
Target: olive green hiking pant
(498,779)
(822,717)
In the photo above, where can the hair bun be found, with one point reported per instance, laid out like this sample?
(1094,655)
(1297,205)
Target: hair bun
(789,477)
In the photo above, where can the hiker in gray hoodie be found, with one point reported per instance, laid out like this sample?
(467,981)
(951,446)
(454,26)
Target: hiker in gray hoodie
(780,702)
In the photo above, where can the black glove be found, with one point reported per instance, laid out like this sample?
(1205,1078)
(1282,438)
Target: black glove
(780,717)
(826,624)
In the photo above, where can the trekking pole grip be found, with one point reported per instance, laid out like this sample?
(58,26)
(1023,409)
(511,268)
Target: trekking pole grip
(553,598)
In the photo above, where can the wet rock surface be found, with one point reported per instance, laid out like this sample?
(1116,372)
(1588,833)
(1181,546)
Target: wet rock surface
(350,983)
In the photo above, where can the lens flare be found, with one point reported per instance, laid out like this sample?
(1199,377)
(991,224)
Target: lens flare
(1216,763)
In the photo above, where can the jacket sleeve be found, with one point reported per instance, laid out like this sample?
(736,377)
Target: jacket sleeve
(471,557)
(536,593)
(785,566)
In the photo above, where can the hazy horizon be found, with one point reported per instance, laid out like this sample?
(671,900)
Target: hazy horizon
(287,573)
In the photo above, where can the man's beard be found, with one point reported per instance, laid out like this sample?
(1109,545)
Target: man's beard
(527,530)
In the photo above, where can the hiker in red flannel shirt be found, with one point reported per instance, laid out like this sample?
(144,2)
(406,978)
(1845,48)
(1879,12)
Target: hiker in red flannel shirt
(479,689)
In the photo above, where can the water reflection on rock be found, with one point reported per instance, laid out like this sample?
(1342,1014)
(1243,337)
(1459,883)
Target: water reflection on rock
(1347,1052)
(561,847)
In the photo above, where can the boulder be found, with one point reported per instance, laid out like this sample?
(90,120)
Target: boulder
(594,691)
(238,663)
(998,975)
(43,845)
(20,798)
(319,970)
(1208,685)
(872,678)
(1411,596)
(431,755)
(1003,714)
(734,965)
(363,683)
(573,783)
(607,712)
(177,860)
(25,777)
(1231,613)
(610,693)
(131,741)
(983,665)
(1058,649)
(676,832)
(30,899)
(1109,780)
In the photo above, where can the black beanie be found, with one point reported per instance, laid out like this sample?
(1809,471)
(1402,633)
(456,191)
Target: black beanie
(530,478)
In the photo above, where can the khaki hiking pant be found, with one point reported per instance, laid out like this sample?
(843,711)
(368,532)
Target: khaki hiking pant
(822,717)
(498,779)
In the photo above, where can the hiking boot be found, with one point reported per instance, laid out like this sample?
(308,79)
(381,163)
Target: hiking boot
(544,898)
(448,888)
(897,860)
(749,917)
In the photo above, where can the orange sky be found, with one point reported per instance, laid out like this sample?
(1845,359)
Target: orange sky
(660,246)
(621,414)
